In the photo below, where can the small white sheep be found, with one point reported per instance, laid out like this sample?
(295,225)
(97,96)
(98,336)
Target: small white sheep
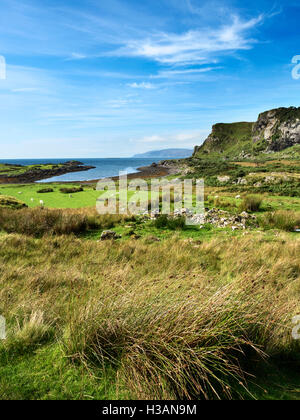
(41,202)
(32,200)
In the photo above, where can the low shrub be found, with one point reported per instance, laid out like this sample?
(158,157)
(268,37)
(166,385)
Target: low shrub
(45,190)
(71,190)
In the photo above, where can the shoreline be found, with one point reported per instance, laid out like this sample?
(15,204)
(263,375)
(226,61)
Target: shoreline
(155,170)
(144,172)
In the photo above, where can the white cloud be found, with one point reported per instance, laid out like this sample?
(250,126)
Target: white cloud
(143,85)
(194,46)
(174,73)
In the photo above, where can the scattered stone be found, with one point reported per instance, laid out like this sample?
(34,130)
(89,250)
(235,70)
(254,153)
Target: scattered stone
(222,219)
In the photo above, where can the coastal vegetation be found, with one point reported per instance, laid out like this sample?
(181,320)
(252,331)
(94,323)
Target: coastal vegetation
(150,307)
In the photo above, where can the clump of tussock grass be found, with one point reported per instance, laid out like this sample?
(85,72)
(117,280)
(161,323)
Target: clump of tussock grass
(176,344)
(283,220)
(172,223)
(29,334)
(251,203)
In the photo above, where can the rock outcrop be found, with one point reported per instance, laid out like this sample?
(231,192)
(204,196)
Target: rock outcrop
(279,128)
(275,130)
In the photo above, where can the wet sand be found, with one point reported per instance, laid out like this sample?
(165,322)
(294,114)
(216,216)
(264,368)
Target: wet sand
(145,172)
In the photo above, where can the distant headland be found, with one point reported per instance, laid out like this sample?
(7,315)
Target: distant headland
(19,174)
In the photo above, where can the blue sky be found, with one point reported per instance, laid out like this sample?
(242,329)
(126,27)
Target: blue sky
(87,78)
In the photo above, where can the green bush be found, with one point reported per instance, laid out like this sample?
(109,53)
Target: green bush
(165,222)
(11,203)
(45,190)
(71,190)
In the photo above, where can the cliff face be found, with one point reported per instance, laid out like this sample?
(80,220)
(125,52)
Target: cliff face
(279,128)
(274,130)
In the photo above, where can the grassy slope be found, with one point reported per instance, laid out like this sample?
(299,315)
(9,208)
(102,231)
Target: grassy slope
(12,170)
(229,139)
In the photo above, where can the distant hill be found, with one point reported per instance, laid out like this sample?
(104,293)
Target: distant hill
(166,154)
(274,131)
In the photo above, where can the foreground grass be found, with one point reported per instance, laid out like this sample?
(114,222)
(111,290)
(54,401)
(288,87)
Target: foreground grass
(170,319)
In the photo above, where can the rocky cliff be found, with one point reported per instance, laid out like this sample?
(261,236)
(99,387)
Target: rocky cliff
(275,130)
(279,128)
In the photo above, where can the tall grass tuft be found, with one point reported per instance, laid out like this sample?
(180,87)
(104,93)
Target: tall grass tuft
(29,334)
(38,222)
(283,220)
(251,203)
(174,344)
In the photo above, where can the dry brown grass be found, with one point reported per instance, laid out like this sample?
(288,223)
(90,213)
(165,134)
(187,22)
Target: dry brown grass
(43,221)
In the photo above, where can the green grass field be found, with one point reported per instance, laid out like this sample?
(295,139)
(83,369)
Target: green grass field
(89,196)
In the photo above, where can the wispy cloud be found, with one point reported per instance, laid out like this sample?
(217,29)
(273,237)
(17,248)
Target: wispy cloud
(194,46)
(175,73)
(143,85)
(77,56)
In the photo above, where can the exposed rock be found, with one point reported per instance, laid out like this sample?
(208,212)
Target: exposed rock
(242,181)
(223,179)
(279,128)
(274,131)
(223,219)
(109,235)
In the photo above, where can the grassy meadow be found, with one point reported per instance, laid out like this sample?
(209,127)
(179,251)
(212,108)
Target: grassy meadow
(167,311)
